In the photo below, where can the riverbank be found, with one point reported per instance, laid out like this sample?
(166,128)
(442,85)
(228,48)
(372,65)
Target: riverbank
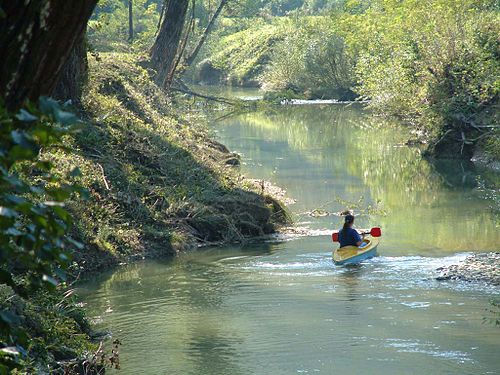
(157,185)
(475,268)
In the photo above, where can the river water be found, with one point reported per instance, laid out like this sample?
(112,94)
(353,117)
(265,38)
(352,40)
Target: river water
(284,307)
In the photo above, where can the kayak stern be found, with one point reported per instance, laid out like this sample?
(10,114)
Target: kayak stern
(353,254)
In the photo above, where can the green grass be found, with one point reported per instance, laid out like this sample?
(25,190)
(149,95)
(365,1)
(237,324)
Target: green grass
(158,183)
(243,55)
(56,325)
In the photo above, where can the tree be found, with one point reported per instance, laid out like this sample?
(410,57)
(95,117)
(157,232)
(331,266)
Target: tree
(165,47)
(130,21)
(36,38)
(205,34)
(74,74)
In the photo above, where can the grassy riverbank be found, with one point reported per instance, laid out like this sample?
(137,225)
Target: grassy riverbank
(157,183)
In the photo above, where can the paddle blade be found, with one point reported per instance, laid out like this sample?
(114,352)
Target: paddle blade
(376,232)
(335,236)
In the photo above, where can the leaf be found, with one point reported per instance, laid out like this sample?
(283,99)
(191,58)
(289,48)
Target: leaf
(65,118)
(60,273)
(63,257)
(25,116)
(62,213)
(13,232)
(84,193)
(14,199)
(40,221)
(48,105)
(7,212)
(9,317)
(20,138)
(23,153)
(50,280)
(59,194)
(13,181)
(75,172)
(75,243)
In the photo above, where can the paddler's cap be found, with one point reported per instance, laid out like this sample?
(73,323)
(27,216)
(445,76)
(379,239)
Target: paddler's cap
(349,219)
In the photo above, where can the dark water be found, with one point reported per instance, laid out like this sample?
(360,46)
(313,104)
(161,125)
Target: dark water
(284,308)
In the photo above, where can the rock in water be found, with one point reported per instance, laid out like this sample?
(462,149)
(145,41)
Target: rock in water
(478,267)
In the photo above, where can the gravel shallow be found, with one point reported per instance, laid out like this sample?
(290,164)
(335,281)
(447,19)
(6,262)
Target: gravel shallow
(478,267)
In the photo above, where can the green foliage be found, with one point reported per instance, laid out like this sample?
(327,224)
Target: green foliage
(243,55)
(434,63)
(300,54)
(312,60)
(108,28)
(269,8)
(157,182)
(33,220)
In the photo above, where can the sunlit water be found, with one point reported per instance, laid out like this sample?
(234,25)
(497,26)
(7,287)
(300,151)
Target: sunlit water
(284,308)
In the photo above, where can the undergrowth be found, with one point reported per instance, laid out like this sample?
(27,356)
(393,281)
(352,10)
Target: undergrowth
(158,184)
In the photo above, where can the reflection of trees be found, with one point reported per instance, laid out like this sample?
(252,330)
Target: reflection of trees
(359,155)
(213,349)
(172,313)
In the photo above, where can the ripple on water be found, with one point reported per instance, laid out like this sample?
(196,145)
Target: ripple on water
(416,346)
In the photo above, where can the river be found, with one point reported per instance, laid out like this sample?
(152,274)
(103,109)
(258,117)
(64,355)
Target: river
(283,307)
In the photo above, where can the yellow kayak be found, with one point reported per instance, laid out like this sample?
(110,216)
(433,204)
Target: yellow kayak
(355,254)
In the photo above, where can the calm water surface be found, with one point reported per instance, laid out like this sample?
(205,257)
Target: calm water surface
(284,308)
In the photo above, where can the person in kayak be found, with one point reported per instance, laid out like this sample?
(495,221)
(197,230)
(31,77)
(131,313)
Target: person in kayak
(348,236)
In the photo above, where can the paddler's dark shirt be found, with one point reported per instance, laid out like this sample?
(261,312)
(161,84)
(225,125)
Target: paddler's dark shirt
(348,237)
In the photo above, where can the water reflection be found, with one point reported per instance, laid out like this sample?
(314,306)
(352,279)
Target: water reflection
(213,350)
(325,152)
(285,308)
(349,278)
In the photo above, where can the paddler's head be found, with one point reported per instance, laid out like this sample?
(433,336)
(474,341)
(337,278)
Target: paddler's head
(349,220)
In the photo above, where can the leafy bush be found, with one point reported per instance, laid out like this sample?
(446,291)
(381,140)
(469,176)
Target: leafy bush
(34,223)
(301,54)
(243,55)
(313,60)
(432,62)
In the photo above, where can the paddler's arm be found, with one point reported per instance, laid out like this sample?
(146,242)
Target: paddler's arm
(359,240)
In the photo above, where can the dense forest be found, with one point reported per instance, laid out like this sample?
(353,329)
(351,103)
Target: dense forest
(106,156)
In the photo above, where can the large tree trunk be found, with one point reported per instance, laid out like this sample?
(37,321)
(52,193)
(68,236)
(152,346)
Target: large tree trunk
(36,38)
(207,31)
(74,74)
(165,47)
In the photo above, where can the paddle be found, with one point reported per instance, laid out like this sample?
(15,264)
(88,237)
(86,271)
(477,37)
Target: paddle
(375,232)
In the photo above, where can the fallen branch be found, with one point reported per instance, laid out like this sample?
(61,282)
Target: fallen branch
(443,137)
(104,177)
